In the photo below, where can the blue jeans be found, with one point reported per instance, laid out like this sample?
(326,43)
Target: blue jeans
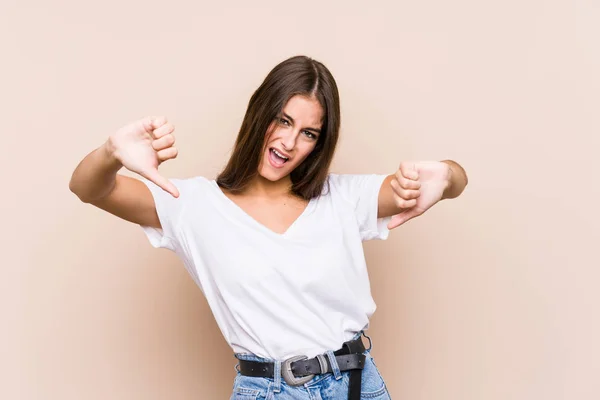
(329,386)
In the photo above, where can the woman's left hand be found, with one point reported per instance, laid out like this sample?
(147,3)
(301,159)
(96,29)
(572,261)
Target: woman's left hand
(433,176)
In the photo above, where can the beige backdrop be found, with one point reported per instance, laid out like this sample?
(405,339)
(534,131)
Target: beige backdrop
(490,296)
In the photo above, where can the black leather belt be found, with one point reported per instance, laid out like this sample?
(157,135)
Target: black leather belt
(298,370)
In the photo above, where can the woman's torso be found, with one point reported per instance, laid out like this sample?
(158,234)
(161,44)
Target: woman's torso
(299,289)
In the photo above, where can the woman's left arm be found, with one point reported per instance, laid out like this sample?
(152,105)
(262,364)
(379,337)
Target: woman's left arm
(417,186)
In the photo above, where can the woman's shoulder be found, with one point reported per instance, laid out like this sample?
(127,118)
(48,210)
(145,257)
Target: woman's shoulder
(349,180)
(333,184)
(195,180)
(193,186)
(352,186)
(337,181)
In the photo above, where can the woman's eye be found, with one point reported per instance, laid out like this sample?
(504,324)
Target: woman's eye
(307,133)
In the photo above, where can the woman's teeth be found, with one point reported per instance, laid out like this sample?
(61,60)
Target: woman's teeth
(279,155)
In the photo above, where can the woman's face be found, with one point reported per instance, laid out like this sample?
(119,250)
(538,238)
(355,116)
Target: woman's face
(292,135)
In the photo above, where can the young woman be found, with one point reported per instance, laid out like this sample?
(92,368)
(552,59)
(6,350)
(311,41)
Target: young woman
(275,241)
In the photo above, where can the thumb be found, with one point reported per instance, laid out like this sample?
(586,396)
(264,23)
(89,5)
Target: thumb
(161,181)
(147,123)
(153,122)
(401,218)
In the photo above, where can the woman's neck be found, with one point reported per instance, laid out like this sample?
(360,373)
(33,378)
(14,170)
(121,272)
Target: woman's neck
(262,187)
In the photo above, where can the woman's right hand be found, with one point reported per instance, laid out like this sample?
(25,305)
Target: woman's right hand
(142,146)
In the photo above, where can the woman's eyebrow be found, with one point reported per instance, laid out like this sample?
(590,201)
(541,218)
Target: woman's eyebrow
(308,129)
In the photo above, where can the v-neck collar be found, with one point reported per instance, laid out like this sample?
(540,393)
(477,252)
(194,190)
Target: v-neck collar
(244,214)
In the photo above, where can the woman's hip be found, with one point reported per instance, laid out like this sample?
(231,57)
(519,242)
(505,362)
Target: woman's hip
(332,385)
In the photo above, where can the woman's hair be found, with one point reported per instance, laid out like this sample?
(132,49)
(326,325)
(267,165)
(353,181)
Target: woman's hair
(299,75)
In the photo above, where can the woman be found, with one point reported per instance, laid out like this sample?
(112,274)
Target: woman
(275,241)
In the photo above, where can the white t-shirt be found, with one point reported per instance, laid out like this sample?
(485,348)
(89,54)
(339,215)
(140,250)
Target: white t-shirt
(277,295)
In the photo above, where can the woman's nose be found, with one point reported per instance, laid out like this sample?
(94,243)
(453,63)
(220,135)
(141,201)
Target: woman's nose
(289,141)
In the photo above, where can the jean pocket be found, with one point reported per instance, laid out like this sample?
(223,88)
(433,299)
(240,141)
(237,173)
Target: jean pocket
(242,393)
(249,388)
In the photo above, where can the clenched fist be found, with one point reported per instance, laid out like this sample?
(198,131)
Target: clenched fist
(142,146)
(417,187)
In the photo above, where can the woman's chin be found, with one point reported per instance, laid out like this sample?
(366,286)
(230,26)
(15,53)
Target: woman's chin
(271,174)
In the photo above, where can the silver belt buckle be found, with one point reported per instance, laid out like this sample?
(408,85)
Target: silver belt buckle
(288,375)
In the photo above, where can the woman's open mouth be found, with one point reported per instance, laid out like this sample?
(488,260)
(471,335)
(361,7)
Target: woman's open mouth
(277,159)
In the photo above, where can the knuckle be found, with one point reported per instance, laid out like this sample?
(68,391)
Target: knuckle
(398,201)
(158,133)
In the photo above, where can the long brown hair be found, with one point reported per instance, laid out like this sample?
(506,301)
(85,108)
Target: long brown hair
(299,75)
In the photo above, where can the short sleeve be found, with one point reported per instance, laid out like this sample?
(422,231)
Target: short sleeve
(169,210)
(362,191)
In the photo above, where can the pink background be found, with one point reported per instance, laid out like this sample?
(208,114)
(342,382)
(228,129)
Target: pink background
(490,296)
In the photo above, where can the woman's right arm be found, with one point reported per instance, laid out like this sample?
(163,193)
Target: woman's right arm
(140,147)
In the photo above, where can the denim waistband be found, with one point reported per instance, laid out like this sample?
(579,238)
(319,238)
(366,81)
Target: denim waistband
(253,357)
